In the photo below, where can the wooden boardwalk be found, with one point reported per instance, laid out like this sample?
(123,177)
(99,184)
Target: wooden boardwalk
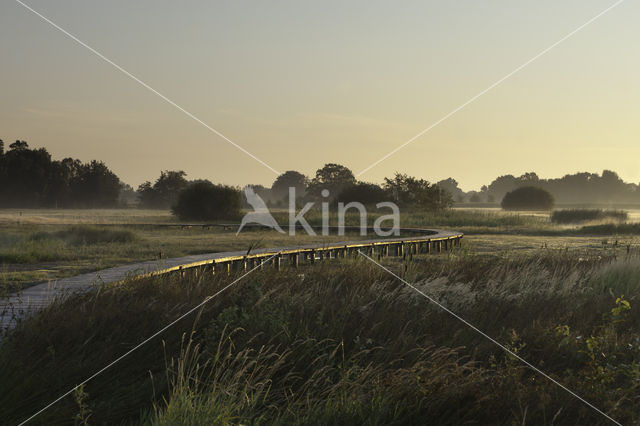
(34,298)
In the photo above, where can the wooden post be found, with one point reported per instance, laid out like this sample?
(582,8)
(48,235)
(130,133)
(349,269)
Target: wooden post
(276,262)
(312,256)
(428,247)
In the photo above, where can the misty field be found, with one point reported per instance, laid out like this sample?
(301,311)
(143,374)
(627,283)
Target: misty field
(339,342)
(41,245)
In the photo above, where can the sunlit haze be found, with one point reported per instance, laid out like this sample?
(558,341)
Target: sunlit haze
(301,84)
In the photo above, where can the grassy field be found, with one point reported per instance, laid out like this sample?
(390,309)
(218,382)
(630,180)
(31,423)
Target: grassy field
(41,245)
(344,342)
(45,245)
(341,342)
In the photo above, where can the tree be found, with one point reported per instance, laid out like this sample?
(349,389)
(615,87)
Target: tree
(30,178)
(411,192)
(332,177)
(365,193)
(501,185)
(19,145)
(95,186)
(205,201)
(528,198)
(147,197)
(262,192)
(451,186)
(289,179)
(475,198)
(164,192)
(128,195)
(25,176)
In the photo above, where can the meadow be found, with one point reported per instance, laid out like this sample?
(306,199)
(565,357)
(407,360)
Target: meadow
(43,245)
(344,342)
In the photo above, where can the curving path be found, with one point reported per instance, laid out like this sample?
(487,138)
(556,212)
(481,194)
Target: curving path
(412,240)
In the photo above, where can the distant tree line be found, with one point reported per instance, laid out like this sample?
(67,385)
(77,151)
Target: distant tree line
(577,188)
(335,183)
(30,178)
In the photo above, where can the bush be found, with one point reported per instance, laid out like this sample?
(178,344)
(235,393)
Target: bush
(585,215)
(206,201)
(528,198)
(365,193)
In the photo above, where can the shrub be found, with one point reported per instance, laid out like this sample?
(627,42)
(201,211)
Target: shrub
(86,235)
(585,215)
(528,198)
(365,193)
(206,201)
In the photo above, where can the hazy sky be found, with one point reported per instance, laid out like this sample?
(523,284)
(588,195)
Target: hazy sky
(300,84)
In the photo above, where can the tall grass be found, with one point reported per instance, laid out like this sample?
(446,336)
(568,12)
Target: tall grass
(343,342)
(588,215)
(470,221)
(44,246)
(611,229)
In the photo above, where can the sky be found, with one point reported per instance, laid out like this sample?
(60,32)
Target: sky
(299,84)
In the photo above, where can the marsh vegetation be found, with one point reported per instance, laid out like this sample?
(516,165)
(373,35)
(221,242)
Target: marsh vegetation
(344,341)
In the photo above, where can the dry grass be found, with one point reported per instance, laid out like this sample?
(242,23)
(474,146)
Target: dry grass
(344,342)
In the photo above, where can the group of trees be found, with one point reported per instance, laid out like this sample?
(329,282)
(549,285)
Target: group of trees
(577,188)
(332,183)
(30,178)
(336,183)
(163,193)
